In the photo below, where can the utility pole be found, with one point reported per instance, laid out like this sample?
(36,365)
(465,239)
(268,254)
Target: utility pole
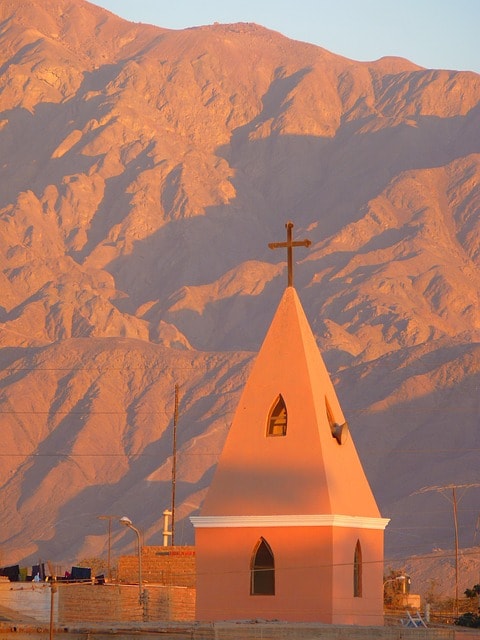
(109,548)
(444,491)
(174,462)
(53,590)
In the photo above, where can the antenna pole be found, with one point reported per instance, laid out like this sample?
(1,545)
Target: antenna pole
(174,462)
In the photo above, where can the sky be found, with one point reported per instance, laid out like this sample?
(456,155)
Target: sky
(437,34)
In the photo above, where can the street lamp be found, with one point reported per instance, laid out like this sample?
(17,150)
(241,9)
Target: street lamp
(401,578)
(128,523)
(393,579)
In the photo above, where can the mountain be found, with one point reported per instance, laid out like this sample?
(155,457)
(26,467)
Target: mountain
(143,172)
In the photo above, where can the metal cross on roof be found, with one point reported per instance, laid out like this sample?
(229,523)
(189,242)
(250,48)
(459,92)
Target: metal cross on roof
(289,244)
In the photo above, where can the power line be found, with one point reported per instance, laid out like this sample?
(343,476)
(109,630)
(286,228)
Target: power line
(442,490)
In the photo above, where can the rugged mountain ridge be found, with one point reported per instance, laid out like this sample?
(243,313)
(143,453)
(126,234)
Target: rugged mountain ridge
(143,172)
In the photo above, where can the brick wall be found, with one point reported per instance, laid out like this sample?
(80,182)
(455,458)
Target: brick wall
(168,575)
(173,566)
(120,603)
(96,603)
(171,603)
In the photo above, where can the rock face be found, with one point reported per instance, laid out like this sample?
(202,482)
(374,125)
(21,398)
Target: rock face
(143,172)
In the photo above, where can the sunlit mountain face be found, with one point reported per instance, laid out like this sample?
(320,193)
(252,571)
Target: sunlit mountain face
(143,173)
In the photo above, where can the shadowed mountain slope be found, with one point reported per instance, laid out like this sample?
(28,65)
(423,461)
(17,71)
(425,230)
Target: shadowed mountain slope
(143,172)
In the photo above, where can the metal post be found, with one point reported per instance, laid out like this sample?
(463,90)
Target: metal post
(53,590)
(141,595)
(174,462)
(109,548)
(455,523)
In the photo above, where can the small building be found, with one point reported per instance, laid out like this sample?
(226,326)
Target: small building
(289,529)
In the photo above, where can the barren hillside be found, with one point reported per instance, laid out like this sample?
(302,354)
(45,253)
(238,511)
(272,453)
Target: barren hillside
(143,172)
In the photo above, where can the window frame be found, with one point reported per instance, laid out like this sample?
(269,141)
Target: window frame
(276,425)
(262,573)
(357,571)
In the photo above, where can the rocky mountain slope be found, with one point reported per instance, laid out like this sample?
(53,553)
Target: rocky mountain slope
(143,172)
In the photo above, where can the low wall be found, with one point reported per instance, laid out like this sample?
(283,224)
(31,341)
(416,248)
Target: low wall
(236,631)
(30,600)
(113,603)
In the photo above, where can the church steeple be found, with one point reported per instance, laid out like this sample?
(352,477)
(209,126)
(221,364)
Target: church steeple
(312,469)
(289,495)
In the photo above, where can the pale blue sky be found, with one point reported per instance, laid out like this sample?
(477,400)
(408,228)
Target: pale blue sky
(441,34)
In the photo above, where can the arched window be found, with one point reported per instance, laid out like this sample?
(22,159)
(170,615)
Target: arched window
(277,418)
(262,570)
(357,571)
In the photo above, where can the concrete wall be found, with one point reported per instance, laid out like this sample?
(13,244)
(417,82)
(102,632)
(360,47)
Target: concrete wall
(27,599)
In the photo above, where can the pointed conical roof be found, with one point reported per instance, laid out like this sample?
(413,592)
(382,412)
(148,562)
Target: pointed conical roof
(306,471)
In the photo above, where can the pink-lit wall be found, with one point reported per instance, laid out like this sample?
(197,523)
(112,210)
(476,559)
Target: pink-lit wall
(367,609)
(313,575)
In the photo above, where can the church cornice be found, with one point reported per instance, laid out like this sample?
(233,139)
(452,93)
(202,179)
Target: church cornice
(308,520)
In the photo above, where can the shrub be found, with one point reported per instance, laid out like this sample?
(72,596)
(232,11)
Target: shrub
(468,620)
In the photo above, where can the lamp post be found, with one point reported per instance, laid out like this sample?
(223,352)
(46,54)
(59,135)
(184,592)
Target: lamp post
(393,579)
(128,523)
(402,578)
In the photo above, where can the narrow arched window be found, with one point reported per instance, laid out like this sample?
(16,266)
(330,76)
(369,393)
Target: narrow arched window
(262,570)
(277,418)
(357,571)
